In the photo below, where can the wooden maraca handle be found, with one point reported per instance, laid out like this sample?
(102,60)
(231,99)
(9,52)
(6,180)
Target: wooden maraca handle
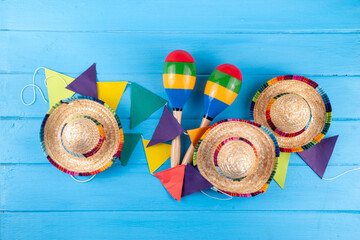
(176,143)
(190,152)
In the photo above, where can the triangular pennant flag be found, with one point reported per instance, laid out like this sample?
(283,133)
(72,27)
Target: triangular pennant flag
(282,167)
(194,181)
(195,134)
(111,92)
(167,129)
(172,179)
(319,155)
(156,155)
(56,86)
(143,104)
(85,84)
(130,141)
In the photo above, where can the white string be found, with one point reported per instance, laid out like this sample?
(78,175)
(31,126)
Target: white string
(186,133)
(83,181)
(223,199)
(37,87)
(354,169)
(34,86)
(55,76)
(34,98)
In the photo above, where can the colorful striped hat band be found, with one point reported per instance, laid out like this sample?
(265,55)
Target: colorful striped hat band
(296,109)
(81,133)
(244,161)
(302,121)
(81,136)
(238,157)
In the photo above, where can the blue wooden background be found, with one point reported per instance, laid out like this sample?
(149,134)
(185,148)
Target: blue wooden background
(129,41)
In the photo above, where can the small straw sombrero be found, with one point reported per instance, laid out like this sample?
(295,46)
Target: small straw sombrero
(238,157)
(81,136)
(296,109)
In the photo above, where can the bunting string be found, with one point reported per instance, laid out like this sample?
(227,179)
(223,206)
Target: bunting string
(83,181)
(351,170)
(222,199)
(143,104)
(34,85)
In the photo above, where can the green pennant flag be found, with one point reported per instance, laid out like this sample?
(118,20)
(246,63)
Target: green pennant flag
(281,170)
(130,141)
(143,104)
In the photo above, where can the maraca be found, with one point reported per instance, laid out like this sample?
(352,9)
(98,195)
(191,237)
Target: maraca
(179,80)
(220,91)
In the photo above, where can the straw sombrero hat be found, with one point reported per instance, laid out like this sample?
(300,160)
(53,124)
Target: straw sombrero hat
(81,136)
(295,108)
(238,157)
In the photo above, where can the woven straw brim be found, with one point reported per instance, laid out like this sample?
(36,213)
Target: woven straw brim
(58,115)
(263,141)
(316,99)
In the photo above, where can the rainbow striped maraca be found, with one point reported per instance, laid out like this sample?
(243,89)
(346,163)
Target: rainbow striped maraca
(179,80)
(220,91)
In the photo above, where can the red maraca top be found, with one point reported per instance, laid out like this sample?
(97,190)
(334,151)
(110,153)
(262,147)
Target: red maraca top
(231,70)
(179,56)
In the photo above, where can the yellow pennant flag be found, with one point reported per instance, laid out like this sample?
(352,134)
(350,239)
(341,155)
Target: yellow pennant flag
(281,170)
(195,134)
(111,92)
(156,155)
(56,86)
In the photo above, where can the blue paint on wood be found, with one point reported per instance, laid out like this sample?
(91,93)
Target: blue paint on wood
(129,41)
(195,225)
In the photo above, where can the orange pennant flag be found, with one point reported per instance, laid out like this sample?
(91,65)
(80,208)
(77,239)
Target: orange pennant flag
(172,179)
(195,134)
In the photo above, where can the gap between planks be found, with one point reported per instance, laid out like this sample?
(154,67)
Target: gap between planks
(179,211)
(215,32)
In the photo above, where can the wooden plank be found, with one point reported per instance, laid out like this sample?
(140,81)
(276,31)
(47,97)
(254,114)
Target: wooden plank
(42,187)
(342,91)
(22,137)
(125,53)
(198,16)
(194,225)
(129,41)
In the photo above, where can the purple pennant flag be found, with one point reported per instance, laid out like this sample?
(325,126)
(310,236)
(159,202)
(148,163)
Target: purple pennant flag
(193,181)
(319,155)
(85,84)
(167,129)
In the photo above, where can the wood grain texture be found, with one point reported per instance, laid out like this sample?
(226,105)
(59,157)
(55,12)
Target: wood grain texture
(129,41)
(187,15)
(74,52)
(162,224)
(41,187)
(342,98)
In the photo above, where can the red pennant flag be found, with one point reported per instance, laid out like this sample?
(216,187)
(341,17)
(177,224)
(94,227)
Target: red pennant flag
(172,179)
